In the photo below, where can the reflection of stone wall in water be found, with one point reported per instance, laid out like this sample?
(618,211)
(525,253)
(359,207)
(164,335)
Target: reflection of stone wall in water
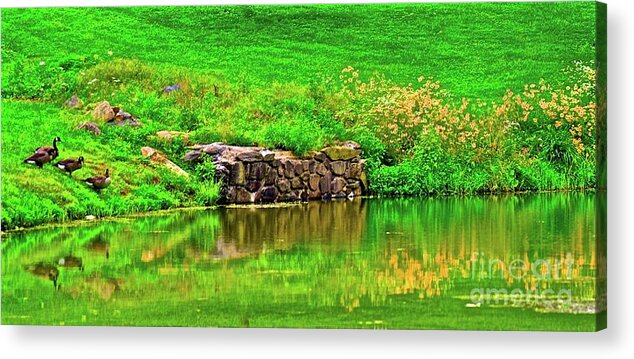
(339,225)
(256,175)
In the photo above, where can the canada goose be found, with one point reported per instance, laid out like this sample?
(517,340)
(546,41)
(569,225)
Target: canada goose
(71,262)
(44,270)
(70,165)
(99,182)
(40,158)
(55,150)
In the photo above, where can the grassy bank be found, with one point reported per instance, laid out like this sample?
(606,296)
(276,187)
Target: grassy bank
(31,196)
(299,78)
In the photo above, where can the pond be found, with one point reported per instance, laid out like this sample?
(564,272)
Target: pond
(513,262)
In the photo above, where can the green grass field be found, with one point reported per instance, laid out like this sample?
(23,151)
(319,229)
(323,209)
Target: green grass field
(279,74)
(477,50)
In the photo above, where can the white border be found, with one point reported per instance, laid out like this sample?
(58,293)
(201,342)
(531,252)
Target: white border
(108,342)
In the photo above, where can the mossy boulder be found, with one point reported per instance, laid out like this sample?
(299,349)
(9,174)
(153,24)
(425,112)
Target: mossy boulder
(341,153)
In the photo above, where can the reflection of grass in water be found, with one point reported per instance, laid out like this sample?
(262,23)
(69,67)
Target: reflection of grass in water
(303,283)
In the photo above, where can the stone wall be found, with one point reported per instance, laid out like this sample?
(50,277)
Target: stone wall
(258,175)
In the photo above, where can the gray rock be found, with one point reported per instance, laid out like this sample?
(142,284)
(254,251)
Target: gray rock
(337,153)
(216,148)
(229,193)
(253,186)
(321,169)
(324,183)
(267,155)
(313,182)
(354,171)
(296,183)
(289,169)
(238,175)
(305,176)
(352,184)
(270,177)
(283,185)
(288,197)
(321,157)
(192,156)
(90,127)
(337,185)
(242,195)
(74,103)
(314,194)
(103,111)
(251,156)
(338,167)
(257,170)
(299,168)
(222,172)
(268,194)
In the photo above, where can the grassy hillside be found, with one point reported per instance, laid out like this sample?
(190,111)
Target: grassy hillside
(443,98)
(476,50)
(32,196)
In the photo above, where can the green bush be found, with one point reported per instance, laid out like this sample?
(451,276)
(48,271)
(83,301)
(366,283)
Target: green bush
(207,193)
(206,170)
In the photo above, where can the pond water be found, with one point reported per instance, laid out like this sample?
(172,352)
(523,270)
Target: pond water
(497,262)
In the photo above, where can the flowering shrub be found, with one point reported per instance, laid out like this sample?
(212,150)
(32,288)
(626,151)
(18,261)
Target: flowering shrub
(546,130)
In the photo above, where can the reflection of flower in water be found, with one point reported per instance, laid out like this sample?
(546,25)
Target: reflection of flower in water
(401,273)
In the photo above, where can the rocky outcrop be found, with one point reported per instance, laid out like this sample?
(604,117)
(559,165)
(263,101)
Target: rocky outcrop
(104,112)
(159,157)
(258,175)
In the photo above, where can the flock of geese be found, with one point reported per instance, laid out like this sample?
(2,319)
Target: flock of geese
(46,154)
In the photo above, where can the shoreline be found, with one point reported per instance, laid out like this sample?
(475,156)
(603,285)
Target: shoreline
(132,215)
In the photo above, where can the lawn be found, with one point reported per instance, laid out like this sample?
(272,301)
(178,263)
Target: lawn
(476,50)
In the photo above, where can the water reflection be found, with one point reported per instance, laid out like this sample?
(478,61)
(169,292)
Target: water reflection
(507,251)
